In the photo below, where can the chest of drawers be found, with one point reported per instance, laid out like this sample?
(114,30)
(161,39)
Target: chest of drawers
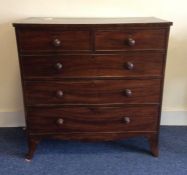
(92,79)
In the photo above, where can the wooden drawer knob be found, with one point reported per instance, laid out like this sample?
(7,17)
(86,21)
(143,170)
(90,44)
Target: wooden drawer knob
(128,92)
(59,93)
(129,65)
(60,121)
(131,42)
(127,120)
(58,66)
(56,42)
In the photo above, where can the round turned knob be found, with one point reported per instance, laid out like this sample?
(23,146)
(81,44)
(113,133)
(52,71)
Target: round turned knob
(129,65)
(131,42)
(127,120)
(58,66)
(128,92)
(59,93)
(60,121)
(56,42)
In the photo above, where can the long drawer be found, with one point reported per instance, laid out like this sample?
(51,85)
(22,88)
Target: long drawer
(130,39)
(67,66)
(92,91)
(93,119)
(54,41)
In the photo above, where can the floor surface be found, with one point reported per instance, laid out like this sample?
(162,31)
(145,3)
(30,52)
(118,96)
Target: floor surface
(129,157)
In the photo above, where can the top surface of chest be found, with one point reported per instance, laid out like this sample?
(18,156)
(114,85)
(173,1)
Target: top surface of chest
(93,21)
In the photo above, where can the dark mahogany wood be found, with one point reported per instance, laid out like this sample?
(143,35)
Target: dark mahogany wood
(92,92)
(92,79)
(32,143)
(93,119)
(53,41)
(153,141)
(132,39)
(87,66)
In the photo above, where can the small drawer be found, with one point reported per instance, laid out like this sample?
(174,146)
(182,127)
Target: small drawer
(92,119)
(83,66)
(133,39)
(53,41)
(92,92)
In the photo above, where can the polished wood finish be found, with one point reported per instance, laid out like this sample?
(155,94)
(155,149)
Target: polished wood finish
(127,21)
(132,39)
(92,79)
(32,143)
(93,119)
(53,41)
(129,65)
(92,92)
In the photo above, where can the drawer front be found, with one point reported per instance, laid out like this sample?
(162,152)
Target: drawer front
(93,119)
(92,92)
(52,41)
(133,39)
(128,65)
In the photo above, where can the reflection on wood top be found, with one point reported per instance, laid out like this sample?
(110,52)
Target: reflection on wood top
(125,20)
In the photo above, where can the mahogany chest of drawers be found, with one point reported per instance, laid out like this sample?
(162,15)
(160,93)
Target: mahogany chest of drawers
(92,79)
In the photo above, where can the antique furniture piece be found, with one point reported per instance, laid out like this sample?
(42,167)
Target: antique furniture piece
(92,79)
